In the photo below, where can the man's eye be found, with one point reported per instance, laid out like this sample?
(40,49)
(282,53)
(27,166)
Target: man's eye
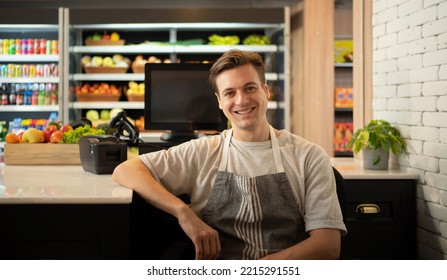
(251,89)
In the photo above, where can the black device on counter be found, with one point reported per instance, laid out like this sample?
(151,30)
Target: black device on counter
(100,154)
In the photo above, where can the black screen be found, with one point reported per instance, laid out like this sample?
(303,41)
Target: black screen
(178,97)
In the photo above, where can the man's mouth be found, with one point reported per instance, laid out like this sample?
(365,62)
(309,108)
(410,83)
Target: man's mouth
(245,111)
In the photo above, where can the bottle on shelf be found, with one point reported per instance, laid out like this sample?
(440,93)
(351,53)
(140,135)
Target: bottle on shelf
(20,90)
(35,94)
(4,94)
(12,95)
(41,94)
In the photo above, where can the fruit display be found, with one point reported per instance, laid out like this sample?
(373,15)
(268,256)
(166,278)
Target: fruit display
(101,91)
(113,39)
(140,61)
(135,91)
(98,64)
(53,133)
(97,88)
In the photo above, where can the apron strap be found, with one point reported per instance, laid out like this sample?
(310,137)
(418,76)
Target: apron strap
(275,148)
(276,152)
(224,160)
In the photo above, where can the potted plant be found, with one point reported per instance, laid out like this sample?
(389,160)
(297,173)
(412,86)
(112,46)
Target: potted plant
(376,140)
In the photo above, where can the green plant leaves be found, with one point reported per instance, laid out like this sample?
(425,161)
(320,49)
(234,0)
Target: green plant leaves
(378,133)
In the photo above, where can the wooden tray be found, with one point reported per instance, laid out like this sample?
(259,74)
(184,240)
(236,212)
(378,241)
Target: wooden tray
(138,68)
(91,97)
(104,43)
(41,153)
(135,97)
(102,69)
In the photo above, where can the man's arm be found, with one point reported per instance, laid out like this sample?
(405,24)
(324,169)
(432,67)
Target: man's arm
(322,244)
(134,174)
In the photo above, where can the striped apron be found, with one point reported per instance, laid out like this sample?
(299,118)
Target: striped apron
(255,216)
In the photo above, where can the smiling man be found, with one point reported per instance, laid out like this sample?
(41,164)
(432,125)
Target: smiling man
(256,192)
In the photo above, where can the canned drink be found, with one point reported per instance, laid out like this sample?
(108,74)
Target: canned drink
(24,46)
(54,70)
(48,47)
(30,46)
(12,46)
(1,46)
(39,70)
(5,47)
(36,46)
(46,70)
(54,47)
(43,46)
(11,70)
(3,70)
(32,70)
(18,46)
(17,71)
(25,70)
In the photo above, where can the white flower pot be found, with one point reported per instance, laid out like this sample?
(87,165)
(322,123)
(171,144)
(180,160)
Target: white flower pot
(375,159)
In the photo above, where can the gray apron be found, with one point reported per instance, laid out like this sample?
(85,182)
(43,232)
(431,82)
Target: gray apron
(255,216)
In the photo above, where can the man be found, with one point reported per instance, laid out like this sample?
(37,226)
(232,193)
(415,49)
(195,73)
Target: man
(256,192)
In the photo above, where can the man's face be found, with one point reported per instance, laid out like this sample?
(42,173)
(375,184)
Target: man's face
(242,97)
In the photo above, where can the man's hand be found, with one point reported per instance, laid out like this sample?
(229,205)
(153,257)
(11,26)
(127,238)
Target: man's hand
(205,238)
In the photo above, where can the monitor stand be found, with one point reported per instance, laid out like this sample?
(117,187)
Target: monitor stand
(180,136)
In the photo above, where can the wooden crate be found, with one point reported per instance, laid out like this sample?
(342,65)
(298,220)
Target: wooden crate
(41,153)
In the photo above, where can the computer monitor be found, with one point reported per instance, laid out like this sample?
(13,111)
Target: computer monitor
(180,100)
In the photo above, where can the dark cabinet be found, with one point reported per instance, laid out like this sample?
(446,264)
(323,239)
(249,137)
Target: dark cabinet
(69,232)
(381,219)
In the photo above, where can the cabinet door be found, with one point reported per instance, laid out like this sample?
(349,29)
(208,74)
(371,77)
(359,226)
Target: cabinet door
(381,219)
(64,232)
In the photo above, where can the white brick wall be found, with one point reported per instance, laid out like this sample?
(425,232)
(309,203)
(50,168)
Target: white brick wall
(410,90)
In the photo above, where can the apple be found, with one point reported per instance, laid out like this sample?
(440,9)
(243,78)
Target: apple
(65,128)
(105,37)
(48,131)
(56,136)
(32,135)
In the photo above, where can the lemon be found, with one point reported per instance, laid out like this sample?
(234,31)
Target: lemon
(114,36)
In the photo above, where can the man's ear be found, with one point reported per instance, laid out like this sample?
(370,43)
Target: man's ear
(218,100)
(267,89)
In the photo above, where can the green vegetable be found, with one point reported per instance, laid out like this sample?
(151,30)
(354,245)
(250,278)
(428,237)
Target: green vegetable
(216,39)
(255,39)
(73,136)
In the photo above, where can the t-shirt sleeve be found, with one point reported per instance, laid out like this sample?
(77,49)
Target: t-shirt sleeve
(175,168)
(322,208)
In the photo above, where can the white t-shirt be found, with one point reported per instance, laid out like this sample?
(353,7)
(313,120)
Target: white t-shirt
(191,168)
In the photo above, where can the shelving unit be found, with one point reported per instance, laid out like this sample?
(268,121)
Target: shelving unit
(18,31)
(165,41)
(343,78)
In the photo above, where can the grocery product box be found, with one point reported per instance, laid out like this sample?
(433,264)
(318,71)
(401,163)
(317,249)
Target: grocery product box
(343,98)
(41,153)
(343,132)
(343,51)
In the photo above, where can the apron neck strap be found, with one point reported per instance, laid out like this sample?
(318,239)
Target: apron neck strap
(275,148)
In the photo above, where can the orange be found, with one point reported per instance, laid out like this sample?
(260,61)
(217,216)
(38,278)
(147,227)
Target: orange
(12,138)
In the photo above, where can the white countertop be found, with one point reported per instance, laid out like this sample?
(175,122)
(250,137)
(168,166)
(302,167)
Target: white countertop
(351,168)
(55,184)
(70,184)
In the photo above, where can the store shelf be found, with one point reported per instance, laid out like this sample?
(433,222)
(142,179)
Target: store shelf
(345,64)
(179,26)
(138,77)
(30,58)
(30,80)
(29,108)
(126,105)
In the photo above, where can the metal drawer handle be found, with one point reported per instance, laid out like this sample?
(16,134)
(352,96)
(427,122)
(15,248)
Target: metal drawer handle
(367,208)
